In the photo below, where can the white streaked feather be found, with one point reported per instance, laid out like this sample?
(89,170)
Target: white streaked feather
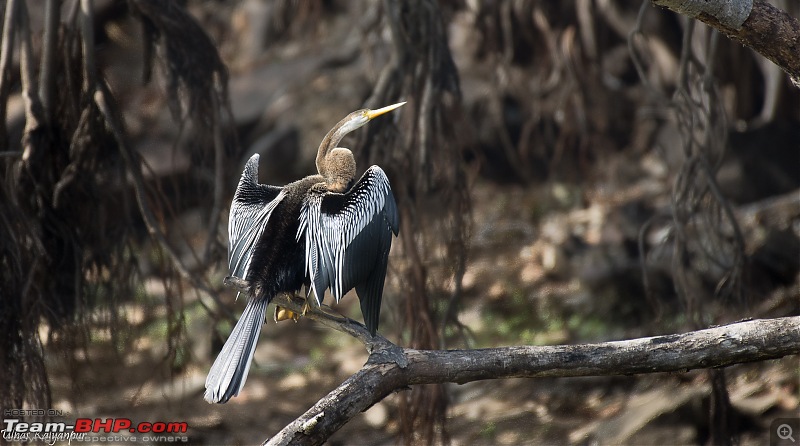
(328,236)
(243,237)
(248,218)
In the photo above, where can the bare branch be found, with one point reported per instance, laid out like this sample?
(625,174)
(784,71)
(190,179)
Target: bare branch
(6,56)
(741,342)
(770,31)
(27,73)
(730,13)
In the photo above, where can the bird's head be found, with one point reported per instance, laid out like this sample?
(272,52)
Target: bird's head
(360,117)
(351,122)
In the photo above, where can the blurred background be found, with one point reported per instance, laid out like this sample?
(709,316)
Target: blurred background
(566,172)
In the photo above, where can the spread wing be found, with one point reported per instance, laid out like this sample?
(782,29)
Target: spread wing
(251,208)
(348,237)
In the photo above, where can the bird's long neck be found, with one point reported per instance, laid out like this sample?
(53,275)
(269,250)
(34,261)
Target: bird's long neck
(328,143)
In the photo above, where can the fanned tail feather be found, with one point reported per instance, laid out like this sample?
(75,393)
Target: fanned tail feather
(229,372)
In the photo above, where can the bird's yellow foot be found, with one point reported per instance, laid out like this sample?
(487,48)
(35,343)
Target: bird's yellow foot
(282,314)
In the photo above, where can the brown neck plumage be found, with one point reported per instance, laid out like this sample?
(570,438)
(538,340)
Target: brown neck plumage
(328,143)
(341,169)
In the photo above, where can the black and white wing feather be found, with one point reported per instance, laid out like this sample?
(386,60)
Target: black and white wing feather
(251,208)
(347,240)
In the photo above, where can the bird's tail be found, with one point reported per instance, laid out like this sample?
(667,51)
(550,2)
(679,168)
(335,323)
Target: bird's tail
(229,372)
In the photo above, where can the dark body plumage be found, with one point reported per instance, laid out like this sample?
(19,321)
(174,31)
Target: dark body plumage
(278,259)
(323,231)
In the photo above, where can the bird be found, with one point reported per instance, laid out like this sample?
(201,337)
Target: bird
(323,231)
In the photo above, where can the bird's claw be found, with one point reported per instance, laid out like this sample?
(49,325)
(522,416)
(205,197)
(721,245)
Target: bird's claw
(283,314)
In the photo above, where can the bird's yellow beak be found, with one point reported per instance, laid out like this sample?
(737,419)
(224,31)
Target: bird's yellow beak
(371,114)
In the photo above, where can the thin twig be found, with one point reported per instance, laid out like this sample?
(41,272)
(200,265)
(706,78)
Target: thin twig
(52,17)
(635,58)
(87,41)
(219,174)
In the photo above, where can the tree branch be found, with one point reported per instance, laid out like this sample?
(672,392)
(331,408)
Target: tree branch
(768,30)
(741,342)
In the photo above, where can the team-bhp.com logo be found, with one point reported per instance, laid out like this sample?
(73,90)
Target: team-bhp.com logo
(89,430)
